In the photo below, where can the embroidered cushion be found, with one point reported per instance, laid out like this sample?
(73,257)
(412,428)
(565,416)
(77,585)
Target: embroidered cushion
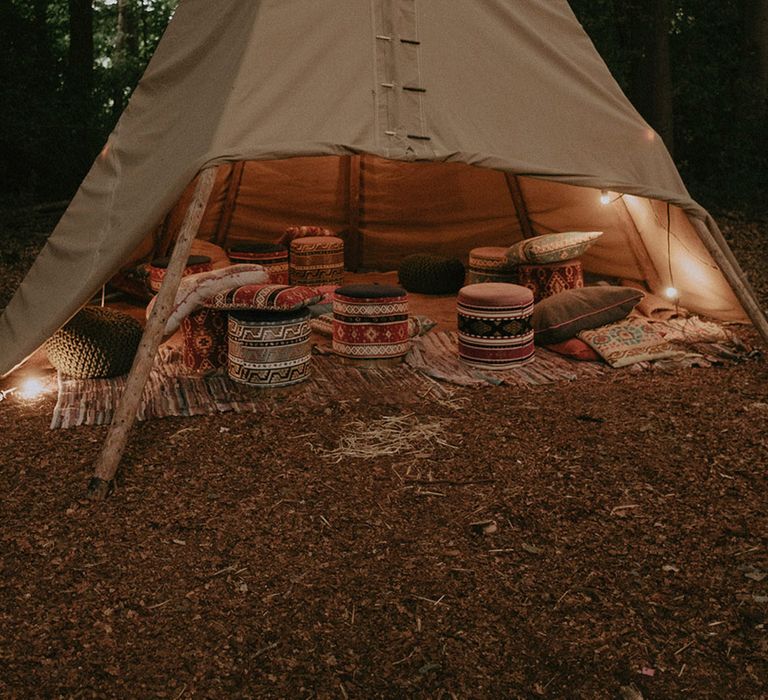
(561,316)
(576,349)
(628,341)
(552,247)
(417,325)
(195,289)
(159,266)
(265,297)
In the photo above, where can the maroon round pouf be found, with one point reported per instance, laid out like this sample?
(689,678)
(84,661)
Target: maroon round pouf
(551,278)
(494,320)
(273,257)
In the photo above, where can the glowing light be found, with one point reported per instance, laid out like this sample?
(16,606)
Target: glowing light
(605,198)
(31,388)
(671,293)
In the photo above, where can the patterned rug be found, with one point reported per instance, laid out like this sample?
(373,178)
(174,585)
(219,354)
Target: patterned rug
(432,357)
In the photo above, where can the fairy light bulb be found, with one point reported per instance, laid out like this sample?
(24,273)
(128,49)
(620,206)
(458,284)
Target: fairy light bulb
(605,198)
(671,293)
(31,388)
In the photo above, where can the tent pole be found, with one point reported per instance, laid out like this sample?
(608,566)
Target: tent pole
(713,240)
(112,451)
(353,246)
(520,207)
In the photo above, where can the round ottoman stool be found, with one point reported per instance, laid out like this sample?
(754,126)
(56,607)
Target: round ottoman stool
(204,341)
(494,320)
(370,322)
(96,342)
(317,260)
(269,349)
(490,264)
(273,257)
(158,267)
(544,280)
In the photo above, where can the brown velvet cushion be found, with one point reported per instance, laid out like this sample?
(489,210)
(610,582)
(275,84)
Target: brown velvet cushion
(562,316)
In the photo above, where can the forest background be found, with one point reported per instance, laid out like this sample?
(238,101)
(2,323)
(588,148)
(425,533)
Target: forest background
(697,70)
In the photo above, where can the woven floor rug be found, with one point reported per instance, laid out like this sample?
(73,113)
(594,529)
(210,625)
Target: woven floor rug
(433,357)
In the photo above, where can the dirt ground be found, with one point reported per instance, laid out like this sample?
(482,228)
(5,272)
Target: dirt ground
(601,539)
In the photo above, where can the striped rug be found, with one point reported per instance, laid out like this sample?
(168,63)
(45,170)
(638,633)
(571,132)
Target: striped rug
(432,357)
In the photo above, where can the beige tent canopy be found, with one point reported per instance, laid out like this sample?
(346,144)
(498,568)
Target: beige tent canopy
(410,124)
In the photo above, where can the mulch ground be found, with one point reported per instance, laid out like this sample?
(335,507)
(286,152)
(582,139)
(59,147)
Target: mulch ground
(604,539)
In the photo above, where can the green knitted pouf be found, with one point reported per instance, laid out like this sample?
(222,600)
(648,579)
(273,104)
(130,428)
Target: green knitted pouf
(431,274)
(97,342)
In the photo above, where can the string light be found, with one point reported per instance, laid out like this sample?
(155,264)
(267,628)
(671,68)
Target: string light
(671,293)
(605,198)
(31,388)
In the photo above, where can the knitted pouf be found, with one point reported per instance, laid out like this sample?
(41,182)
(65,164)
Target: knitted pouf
(494,320)
(423,273)
(268,349)
(204,335)
(490,265)
(552,278)
(273,257)
(370,322)
(158,267)
(97,342)
(317,260)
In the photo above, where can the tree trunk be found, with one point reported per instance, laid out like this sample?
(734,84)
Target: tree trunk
(652,78)
(79,79)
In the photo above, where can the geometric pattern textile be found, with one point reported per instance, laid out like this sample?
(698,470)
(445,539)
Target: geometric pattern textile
(272,256)
(159,266)
(269,349)
(204,341)
(552,247)
(490,264)
(552,278)
(264,297)
(317,260)
(494,324)
(370,322)
(628,341)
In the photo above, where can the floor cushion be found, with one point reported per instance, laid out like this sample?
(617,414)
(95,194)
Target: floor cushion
(423,273)
(265,297)
(551,278)
(273,257)
(552,247)
(628,341)
(490,264)
(159,266)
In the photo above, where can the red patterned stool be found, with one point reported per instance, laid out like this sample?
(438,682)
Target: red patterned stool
(370,322)
(157,268)
(269,349)
(490,264)
(204,336)
(494,320)
(317,260)
(273,257)
(544,280)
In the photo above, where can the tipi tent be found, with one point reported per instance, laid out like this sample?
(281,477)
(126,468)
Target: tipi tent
(411,124)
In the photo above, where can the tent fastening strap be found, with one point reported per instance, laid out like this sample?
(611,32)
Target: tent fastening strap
(399,91)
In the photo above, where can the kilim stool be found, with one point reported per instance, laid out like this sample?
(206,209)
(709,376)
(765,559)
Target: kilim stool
(317,260)
(494,320)
(544,280)
(490,265)
(370,322)
(269,349)
(204,341)
(273,257)
(157,268)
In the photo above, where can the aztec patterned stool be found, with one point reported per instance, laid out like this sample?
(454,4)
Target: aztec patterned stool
(490,265)
(204,336)
(495,325)
(273,257)
(370,322)
(317,260)
(157,268)
(547,279)
(269,349)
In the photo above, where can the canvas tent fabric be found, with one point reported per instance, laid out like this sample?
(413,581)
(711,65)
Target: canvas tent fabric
(512,86)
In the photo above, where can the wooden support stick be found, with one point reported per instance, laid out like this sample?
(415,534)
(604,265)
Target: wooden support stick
(520,207)
(715,243)
(125,414)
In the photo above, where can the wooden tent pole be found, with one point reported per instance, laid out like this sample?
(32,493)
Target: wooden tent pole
(715,243)
(520,207)
(112,451)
